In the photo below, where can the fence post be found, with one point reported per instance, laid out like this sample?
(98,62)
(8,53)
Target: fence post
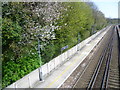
(54,63)
(47,68)
(29,82)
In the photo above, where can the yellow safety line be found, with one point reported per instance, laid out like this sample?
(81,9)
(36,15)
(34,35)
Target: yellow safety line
(61,74)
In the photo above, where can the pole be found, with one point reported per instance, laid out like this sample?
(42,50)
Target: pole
(61,51)
(39,54)
(78,41)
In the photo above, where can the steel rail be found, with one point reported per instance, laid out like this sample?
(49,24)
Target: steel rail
(106,71)
(102,57)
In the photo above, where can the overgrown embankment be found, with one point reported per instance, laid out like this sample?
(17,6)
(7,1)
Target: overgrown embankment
(56,24)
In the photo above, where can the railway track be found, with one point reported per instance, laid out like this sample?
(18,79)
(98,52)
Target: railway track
(106,72)
(114,74)
(102,69)
(103,65)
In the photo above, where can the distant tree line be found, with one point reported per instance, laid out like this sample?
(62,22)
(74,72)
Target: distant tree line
(55,24)
(113,20)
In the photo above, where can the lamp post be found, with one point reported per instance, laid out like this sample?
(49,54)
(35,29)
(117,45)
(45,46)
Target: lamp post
(39,54)
(78,41)
(92,32)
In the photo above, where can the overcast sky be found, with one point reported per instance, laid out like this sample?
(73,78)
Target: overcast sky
(108,7)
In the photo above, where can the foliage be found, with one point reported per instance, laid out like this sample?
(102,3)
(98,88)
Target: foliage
(13,71)
(11,34)
(55,24)
(113,21)
(98,16)
(76,19)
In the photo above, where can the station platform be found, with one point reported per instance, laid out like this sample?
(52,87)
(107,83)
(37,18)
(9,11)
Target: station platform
(59,75)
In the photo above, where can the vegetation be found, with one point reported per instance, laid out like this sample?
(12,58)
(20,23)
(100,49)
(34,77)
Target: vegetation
(113,20)
(55,24)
